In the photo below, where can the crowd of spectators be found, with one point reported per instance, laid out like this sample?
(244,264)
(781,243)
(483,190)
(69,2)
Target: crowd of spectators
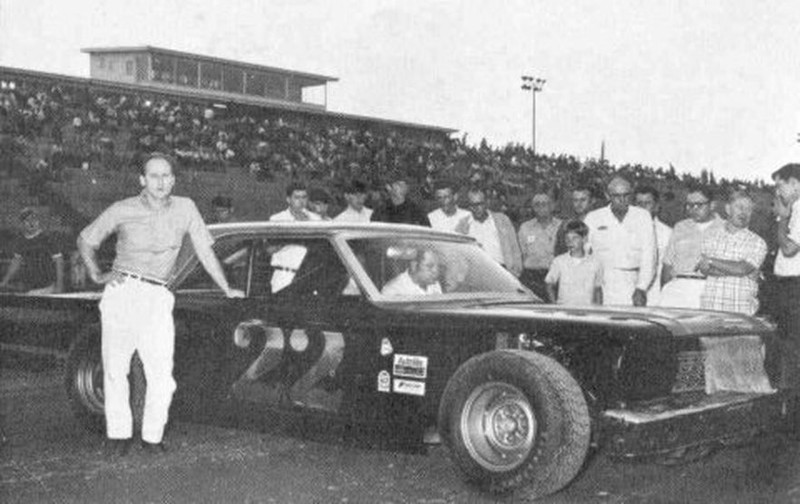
(108,128)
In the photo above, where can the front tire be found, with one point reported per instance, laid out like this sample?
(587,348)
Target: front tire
(515,420)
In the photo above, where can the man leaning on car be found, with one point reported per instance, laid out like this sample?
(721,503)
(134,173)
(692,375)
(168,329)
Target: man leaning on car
(136,307)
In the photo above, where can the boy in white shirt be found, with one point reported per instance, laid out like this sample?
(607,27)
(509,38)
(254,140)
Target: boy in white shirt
(575,278)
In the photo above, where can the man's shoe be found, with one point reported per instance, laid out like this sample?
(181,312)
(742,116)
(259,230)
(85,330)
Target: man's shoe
(120,447)
(154,448)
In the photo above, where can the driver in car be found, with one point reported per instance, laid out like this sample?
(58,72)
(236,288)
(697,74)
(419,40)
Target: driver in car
(420,279)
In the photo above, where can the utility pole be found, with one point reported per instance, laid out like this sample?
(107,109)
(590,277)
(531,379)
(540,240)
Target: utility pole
(534,85)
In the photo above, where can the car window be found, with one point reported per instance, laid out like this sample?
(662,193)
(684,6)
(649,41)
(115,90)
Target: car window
(394,266)
(305,267)
(234,256)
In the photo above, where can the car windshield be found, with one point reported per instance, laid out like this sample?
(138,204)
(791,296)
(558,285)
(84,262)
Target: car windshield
(412,268)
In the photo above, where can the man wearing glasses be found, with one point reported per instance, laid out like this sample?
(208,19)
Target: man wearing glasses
(683,283)
(623,239)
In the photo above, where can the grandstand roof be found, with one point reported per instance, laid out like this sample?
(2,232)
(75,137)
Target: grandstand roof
(152,49)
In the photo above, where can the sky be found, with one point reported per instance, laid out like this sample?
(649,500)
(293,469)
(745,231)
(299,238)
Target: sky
(712,84)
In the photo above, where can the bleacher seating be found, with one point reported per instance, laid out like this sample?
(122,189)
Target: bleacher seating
(82,140)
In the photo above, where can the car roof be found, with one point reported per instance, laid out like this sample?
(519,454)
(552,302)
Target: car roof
(332,228)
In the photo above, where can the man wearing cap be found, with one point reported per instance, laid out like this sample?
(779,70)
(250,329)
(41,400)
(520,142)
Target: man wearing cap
(356,195)
(399,209)
(37,264)
(136,307)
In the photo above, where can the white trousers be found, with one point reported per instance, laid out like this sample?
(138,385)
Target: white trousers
(137,316)
(618,286)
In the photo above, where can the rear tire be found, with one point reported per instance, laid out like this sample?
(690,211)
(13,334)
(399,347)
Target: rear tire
(84,382)
(515,421)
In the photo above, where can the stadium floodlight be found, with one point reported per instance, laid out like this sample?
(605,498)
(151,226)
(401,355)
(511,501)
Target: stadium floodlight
(534,85)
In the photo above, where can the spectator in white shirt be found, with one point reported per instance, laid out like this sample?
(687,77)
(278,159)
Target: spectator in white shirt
(356,195)
(297,199)
(493,231)
(647,197)
(575,277)
(623,239)
(286,260)
(448,217)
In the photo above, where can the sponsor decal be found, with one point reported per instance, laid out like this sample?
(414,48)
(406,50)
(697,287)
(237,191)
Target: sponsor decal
(410,366)
(386,347)
(410,387)
(383,381)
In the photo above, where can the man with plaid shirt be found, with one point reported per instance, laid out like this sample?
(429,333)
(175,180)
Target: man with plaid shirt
(731,258)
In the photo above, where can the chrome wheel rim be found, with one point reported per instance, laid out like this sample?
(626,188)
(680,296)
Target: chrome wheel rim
(498,426)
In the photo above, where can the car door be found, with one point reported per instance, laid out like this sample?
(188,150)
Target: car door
(281,347)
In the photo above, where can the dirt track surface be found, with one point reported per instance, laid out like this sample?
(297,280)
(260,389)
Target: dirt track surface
(46,456)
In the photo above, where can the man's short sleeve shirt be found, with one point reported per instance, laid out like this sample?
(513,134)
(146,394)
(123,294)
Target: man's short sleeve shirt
(149,238)
(577,278)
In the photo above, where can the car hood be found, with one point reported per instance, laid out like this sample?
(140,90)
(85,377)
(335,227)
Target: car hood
(680,322)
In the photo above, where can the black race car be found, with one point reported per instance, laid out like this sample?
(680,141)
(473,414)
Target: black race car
(335,323)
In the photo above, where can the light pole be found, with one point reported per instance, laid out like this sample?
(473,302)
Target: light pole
(534,85)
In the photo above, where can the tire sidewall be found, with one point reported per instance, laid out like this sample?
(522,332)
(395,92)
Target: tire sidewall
(86,347)
(520,370)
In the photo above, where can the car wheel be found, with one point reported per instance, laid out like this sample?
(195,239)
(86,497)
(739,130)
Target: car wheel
(84,382)
(515,421)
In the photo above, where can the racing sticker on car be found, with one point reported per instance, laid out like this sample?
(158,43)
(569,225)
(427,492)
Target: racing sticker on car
(410,366)
(410,387)
(384,381)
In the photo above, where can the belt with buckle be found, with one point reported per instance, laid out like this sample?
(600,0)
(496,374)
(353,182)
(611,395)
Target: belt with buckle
(142,279)
(690,277)
(281,268)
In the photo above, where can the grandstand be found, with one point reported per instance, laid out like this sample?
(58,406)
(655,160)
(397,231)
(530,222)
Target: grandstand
(207,76)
